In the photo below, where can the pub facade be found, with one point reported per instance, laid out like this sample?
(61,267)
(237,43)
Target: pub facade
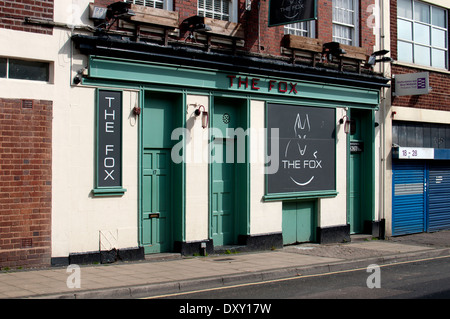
(191,133)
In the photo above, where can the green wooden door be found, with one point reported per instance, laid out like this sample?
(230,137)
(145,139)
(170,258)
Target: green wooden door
(156,206)
(356,190)
(223,175)
(360,199)
(299,222)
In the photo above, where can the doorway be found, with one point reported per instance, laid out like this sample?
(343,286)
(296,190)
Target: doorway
(161,188)
(229,171)
(361,170)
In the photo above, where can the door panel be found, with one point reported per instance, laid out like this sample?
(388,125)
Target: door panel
(354,218)
(223,171)
(299,222)
(156,232)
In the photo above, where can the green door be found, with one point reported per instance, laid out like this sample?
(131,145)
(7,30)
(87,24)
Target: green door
(356,189)
(298,222)
(156,206)
(223,173)
(360,188)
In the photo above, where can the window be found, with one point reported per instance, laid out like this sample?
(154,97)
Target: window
(159,4)
(422,35)
(24,70)
(218,9)
(304,29)
(345,21)
(3,66)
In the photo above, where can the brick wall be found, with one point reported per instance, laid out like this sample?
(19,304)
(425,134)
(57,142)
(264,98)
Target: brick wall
(25,182)
(439,98)
(270,38)
(13,13)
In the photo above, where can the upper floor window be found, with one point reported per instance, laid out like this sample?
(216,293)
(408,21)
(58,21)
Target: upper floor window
(345,21)
(159,4)
(304,29)
(422,34)
(24,69)
(218,9)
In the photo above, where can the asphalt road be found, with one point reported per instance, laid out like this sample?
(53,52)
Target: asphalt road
(424,279)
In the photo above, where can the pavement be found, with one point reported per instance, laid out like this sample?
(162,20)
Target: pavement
(165,274)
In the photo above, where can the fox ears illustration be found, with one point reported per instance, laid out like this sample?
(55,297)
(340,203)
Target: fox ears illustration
(300,126)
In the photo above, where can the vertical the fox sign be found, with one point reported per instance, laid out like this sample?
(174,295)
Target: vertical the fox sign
(109,163)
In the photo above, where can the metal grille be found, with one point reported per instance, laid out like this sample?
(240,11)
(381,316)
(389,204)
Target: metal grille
(409,200)
(216,9)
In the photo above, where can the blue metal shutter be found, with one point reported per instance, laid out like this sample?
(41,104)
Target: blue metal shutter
(439,196)
(408,197)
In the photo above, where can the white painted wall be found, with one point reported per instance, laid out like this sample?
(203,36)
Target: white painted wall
(197,176)
(265,217)
(333,211)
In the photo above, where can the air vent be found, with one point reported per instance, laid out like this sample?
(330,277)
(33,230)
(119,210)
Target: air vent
(27,104)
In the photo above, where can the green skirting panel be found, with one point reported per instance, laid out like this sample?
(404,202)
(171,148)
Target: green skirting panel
(299,222)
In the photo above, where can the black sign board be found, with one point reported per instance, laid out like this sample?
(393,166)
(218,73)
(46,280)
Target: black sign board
(356,147)
(109,139)
(291,11)
(306,149)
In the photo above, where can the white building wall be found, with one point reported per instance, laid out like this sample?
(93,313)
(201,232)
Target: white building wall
(197,176)
(265,217)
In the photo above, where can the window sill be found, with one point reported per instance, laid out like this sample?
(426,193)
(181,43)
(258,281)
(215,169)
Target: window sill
(420,67)
(112,191)
(295,196)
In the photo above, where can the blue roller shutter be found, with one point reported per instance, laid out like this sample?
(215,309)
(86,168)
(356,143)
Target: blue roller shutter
(439,196)
(409,198)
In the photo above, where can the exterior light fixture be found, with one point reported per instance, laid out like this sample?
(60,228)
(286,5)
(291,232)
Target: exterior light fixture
(373,57)
(348,125)
(205,117)
(195,24)
(97,13)
(332,49)
(121,10)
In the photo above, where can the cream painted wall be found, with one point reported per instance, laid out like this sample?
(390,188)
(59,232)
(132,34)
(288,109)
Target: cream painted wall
(197,177)
(265,217)
(333,211)
(81,222)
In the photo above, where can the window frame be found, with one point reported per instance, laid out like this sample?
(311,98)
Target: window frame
(7,69)
(233,10)
(297,29)
(354,27)
(167,4)
(414,42)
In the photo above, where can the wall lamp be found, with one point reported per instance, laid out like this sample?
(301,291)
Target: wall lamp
(349,125)
(97,13)
(373,57)
(205,117)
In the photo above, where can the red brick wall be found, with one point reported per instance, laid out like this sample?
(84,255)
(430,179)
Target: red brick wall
(25,182)
(13,13)
(439,98)
(270,38)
